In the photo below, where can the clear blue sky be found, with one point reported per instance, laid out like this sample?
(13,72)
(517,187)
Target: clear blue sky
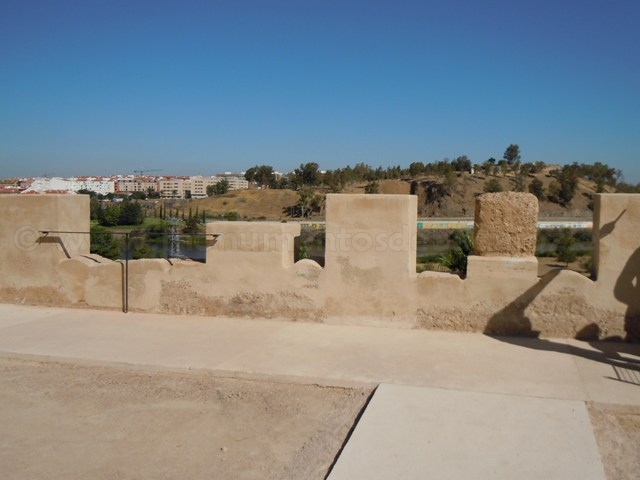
(199,87)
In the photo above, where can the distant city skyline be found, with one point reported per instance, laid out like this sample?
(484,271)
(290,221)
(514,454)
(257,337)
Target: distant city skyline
(91,87)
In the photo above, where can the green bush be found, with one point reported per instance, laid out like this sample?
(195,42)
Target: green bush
(566,251)
(435,258)
(493,186)
(103,243)
(456,257)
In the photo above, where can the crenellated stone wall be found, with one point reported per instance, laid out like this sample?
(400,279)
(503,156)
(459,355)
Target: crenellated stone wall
(369,275)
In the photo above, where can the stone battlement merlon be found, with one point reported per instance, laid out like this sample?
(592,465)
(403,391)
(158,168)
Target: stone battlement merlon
(369,276)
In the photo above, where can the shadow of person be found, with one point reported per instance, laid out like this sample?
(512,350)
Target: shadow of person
(627,291)
(623,358)
(512,320)
(511,325)
(608,228)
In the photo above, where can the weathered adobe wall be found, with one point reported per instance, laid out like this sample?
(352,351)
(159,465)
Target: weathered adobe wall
(369,275)
(30,260)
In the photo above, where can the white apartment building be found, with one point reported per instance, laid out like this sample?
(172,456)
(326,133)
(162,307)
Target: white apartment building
(99,185)
(196,186)
(236,181)
(132,184)
(174,187)
(168,187)
(199,185)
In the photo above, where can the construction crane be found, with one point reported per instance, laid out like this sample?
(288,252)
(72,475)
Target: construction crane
(142,171)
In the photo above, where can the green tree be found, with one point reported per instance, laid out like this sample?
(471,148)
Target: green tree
(138,196)
(372,187)
(624,187)
(263,175)
(103,243)
(492,186)
(191,225)
(130,214)
(488,166)
(308,174)
(94,208)
(221,187)
(536,187)
(416,169)
(512,154)
(462,164)
(520,182)
(563,188)
(565,250)
(308,202)
(250,174)
(527,168)
(109,215)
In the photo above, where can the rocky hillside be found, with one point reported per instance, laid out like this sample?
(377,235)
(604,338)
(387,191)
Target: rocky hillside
(436,199)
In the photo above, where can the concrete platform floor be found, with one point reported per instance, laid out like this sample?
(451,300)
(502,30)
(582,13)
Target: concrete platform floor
(419,432)
(472,387)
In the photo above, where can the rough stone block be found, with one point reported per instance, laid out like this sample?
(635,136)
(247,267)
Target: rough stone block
(505,224)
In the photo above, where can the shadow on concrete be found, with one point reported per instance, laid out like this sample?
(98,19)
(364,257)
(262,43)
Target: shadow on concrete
(624,358)
(608,228)
(512,320)
(55,241)
(627,291)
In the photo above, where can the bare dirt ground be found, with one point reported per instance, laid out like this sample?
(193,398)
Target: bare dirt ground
(66,421)
(617,430)
(546,264)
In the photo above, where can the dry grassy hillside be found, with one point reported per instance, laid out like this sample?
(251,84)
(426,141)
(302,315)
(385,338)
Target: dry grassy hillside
(434,199)
(250,204)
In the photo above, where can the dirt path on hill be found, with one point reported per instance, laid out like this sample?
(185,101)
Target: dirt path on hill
(66,421)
